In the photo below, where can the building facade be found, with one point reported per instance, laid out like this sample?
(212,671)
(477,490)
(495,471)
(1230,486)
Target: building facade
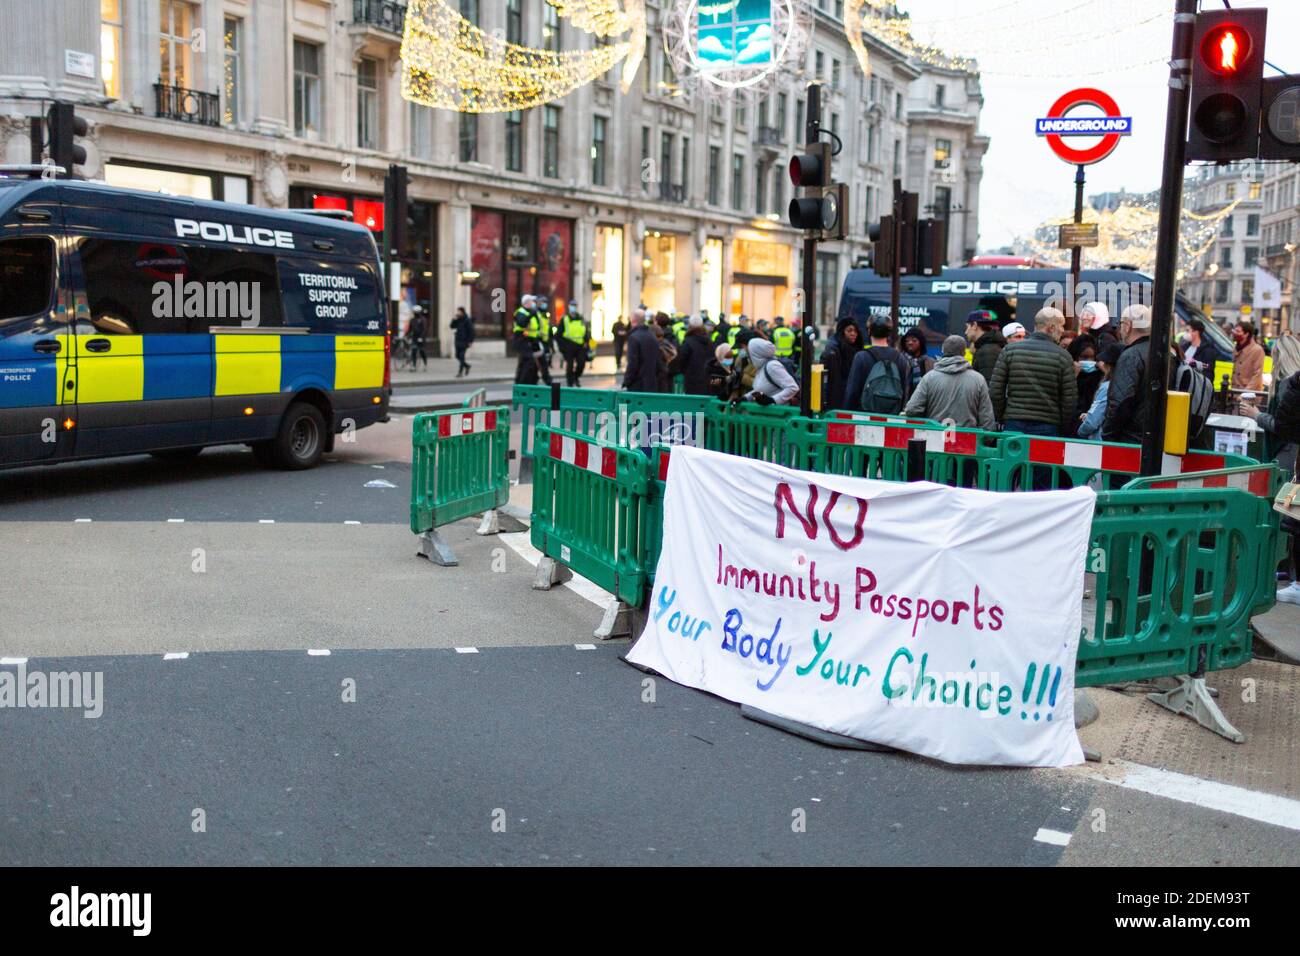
(1280,222)
(600,199)
(1222,279)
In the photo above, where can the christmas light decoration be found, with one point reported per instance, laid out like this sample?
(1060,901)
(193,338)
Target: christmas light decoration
(787,40)
(450,63)
(1127,236)
(611,18)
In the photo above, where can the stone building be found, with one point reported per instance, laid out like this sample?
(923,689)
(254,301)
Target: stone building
(296,103)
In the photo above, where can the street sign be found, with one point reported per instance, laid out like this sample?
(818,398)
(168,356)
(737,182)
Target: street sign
(1110,127)
(1079,234)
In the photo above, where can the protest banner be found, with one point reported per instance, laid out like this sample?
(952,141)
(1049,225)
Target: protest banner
(943,621)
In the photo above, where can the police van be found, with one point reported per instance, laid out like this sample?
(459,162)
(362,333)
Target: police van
(136,322)
(939,305)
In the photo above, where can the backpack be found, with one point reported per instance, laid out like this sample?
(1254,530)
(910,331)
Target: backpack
(883,391)
(1188,379)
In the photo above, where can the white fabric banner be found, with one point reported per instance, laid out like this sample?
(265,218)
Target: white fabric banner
(938,620)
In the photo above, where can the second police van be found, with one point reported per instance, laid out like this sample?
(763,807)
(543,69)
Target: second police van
(938,306)
(135,322)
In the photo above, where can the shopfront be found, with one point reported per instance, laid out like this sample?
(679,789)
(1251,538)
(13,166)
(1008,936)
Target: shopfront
(760,273)
(516,254)
(416,257)
(711,277)
(666,272)
(606,281)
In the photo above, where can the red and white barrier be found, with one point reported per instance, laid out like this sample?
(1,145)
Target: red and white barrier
(1257,481)
(456,424)
(586,455)
(1126,459)
(938,440)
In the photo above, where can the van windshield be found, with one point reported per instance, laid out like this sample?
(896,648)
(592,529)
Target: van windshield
(26,277)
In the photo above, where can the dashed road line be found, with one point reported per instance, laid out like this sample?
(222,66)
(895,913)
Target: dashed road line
(584,647)
(1054,837)
(81,521)
(15,661)
(175,520)
(318,652)
(467,650)
(266,521)
(176,656)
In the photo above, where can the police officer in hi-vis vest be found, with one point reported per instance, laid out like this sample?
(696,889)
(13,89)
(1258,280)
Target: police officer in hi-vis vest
(527,341)
(574,342)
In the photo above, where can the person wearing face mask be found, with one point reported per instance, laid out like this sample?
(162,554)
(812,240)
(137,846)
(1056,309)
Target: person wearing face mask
(719,371)
(1090,421)
(1087,377)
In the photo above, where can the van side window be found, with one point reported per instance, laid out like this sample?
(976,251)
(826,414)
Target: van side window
(144,287)
(338,298)
(26,277)
(240,288)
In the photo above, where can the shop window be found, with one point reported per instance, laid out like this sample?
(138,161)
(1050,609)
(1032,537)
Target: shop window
(110,47)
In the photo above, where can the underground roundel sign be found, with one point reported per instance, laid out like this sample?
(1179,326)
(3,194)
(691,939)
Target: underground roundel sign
(1110,126)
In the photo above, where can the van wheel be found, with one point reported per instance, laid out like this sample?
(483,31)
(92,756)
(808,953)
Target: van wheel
(300,442)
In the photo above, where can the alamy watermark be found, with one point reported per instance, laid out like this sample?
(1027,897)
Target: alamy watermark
(638,429)
(208,300)
(81,690)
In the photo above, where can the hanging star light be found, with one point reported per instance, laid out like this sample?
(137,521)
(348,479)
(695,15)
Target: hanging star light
(611,18)
(450,63)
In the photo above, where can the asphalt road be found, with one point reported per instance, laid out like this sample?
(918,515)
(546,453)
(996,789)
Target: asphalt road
(474,705)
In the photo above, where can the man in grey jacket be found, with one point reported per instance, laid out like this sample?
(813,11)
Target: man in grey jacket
(953,392)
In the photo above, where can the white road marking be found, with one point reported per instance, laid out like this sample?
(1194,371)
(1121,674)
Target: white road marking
(175,520)
(1054,837)
(467,650)
(15,661)
(1224,797)
(584,647)
(81,521)
(266,521)
(519,543)
(352,522)
(318,652)
(176,655)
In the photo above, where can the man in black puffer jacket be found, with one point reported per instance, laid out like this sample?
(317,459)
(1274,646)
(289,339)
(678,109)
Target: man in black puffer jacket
(1033,387)
(692,359)
(986,341)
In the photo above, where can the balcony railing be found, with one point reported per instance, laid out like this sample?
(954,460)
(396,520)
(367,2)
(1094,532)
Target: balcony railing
(769,136)
(385,14)
(672,192)
(187,106)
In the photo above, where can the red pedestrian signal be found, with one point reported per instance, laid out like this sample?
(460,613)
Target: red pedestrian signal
(1227,82)
(1226,48)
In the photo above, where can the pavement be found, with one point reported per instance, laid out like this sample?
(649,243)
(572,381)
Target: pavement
(274,655)
(439,387)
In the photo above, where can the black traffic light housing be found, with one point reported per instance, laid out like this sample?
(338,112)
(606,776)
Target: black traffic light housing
(1279,123)
(918,247)
(822,207)
(1227,84)
(64,126)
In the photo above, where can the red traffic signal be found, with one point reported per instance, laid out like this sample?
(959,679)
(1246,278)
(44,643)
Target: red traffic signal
(812,169)
(1227,81)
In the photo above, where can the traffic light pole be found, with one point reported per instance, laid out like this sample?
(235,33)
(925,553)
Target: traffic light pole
(1156,381)
(812,133)
(896,273)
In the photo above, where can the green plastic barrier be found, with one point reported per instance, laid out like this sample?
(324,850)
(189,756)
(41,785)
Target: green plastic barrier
(1178,576)
(877,448)
(580,410)
(590,502)
(1071,462)
(459,465)
(760,432)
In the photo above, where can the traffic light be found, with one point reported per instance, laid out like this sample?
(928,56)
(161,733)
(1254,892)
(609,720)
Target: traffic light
(822,206)
(1279,134)
(931,246)
(64,126)
(1227,82)
(881,235)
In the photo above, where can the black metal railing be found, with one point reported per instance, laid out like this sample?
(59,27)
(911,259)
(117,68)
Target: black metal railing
(769,136)
(672,192)
(187,106)
(385,14)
